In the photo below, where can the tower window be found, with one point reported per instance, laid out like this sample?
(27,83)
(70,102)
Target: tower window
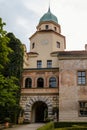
(81,77)
(46,27)
(52,82)
(33,45)
(49,63)
(28,83)
(55,28)
(58,44)
(39,64)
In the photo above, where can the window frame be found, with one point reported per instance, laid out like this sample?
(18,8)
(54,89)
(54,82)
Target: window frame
(46,27)
(81,77)
(40,84)
(82,108)
(28,84)
(39,64)
(52,82)
(49,63)
(58,44)
(33,45)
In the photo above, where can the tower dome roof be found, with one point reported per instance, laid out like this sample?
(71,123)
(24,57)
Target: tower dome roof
(48,17)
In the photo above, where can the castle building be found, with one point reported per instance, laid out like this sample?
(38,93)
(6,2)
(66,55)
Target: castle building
(54,81)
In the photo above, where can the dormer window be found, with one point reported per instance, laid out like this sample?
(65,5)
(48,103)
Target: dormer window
(46,27)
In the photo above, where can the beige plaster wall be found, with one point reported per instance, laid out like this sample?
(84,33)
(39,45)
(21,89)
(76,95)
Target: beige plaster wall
(69,92)
(51,26)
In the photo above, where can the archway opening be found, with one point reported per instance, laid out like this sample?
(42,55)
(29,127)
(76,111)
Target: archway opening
(39,111)
(40,83)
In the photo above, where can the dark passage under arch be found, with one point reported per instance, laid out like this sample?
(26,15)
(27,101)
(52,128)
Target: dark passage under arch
(40,110)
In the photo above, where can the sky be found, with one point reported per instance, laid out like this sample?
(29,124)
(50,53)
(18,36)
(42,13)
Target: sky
(22,17)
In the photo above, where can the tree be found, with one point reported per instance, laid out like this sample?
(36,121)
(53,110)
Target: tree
(15,66)
(4,49)
(11,62)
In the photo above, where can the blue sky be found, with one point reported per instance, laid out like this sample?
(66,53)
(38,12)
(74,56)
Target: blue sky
(22,17)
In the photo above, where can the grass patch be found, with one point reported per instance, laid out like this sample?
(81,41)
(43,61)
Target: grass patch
(64,126)
(48,126)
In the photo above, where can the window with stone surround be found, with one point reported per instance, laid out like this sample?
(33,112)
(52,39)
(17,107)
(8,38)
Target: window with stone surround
(40,82)
(28,83)
(52,82)
(81,77)
(39,64)
(83,108)
(49,63)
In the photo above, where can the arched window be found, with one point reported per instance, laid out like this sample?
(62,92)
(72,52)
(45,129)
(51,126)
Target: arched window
(28,83)
(52,82)
(46,27)
(40,83)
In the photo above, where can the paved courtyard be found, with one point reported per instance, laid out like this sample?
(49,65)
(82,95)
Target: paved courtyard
(26,127)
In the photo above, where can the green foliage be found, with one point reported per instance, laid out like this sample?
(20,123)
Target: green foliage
(15,65)
(8,91)
(48,126)
(70,125)
(4,49)
(11,64)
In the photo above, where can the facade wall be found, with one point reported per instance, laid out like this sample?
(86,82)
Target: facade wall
(70,93)
(47,95)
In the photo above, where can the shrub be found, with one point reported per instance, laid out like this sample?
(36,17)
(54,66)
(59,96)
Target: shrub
(7,119)
(69,124)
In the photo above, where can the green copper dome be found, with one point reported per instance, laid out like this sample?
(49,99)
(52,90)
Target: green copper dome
(48,17)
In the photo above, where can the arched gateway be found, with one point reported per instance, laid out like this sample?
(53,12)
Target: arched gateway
(38,109)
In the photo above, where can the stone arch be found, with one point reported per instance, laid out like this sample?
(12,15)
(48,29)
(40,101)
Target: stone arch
(28,107)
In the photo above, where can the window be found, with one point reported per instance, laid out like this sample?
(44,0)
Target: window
(52,82)
(39,64)
(81,77)
(46,27)
(58,44)
(83,108)
(33,45)
(49,63)
(28,83)
(40,83)
(55,28)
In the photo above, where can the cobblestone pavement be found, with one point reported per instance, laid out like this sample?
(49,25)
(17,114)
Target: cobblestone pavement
(26,127)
